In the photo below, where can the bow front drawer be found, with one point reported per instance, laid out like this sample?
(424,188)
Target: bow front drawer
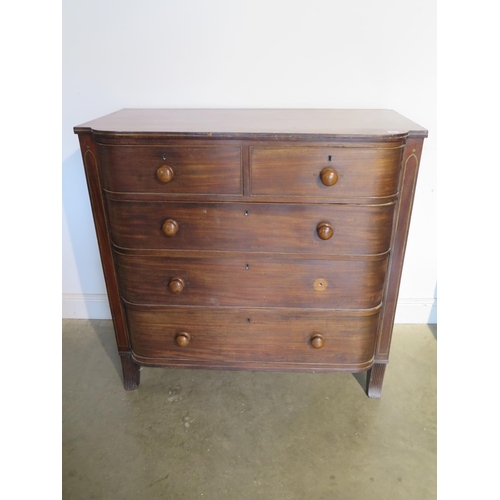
(333,173)
(232,337)
(252,281)
(168,169)
(259,227)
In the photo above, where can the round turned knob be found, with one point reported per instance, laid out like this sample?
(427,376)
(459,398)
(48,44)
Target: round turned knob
(165,174)
(317,341)
(329,176)
(325,230)
(182,339)
(170,227)
(176,285)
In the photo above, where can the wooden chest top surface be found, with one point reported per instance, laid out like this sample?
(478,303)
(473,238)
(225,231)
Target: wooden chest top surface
(234,123)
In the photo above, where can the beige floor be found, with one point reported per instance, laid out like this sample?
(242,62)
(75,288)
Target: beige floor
(196,434)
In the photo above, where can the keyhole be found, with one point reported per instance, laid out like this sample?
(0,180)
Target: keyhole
(248,320)
(330,158)
(246,212)
(164,156)
(247,266)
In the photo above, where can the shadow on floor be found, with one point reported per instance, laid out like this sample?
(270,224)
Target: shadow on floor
(361,379)
(103,330)
(434,330)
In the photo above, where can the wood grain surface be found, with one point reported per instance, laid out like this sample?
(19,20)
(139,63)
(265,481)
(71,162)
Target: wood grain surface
(284,123)
(362,172)
(236,335)
(360,230)
(253,281)
(196,170)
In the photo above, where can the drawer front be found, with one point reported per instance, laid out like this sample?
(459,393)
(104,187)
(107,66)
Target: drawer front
(357,172)
(246,335)
(252,281)
(251,227)
(185,170)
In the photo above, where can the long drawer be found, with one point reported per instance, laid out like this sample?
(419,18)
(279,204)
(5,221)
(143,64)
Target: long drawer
(297,171)
(172,169)
(237,336)
(259,227)
(252,280)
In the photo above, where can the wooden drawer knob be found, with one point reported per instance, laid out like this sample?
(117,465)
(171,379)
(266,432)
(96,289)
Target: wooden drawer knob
(325,230)
(165,174)
(329,176)
(176,285)
(317,341)
(182,339)
(170,227)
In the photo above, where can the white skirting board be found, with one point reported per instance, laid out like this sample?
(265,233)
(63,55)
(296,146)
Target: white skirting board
(95,306)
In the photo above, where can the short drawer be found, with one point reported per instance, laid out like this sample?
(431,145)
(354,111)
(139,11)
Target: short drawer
(172,170)
(357,230)
(333,173)
(252,281)
(222,337)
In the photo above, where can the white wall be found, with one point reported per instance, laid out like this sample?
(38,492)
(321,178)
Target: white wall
(230,53)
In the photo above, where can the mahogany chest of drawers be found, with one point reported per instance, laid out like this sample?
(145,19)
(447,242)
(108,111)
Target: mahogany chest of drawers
(252,239)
